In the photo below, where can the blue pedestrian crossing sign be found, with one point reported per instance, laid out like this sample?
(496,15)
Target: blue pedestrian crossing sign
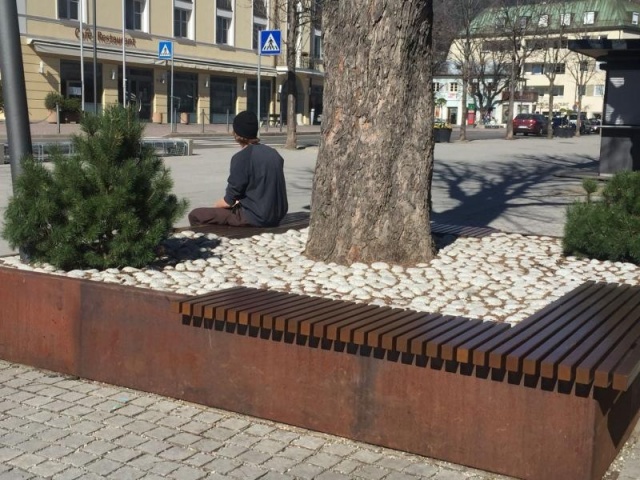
(270,42)
(165,50)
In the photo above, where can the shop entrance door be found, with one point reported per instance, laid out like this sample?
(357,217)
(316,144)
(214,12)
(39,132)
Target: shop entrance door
(140,93)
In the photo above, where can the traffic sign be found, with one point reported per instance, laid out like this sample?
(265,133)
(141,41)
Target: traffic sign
(165,50)
(270,42)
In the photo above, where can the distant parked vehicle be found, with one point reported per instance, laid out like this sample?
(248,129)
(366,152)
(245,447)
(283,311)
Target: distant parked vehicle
(594,125)
(530,123)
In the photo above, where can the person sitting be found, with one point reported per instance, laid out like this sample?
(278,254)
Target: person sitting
(256,193)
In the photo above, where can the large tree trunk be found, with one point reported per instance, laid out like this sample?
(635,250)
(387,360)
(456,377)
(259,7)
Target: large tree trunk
(371,187)
(550,128)
(512,100)
(292,91)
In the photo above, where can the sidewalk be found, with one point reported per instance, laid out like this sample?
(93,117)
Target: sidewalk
(44,130)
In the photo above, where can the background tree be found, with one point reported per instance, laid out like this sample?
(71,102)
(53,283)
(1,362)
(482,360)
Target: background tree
(490,73)
(465,48)
(515,21)
(371,188)
(552,49)
(582,69)
(299,15)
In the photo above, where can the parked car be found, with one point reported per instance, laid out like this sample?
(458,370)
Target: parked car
(594,125)
(527,123)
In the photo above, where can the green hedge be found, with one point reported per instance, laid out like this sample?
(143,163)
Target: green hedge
(608,229)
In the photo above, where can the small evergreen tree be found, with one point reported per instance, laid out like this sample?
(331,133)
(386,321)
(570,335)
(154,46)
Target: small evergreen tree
(607,229)
(107,206)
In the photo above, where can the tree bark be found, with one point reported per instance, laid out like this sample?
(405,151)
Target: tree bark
(371,188)
(292,91)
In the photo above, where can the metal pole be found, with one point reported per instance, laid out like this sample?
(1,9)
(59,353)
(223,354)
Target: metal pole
(173,114)
(258,113)
(15,93)
(124,56)
(203,120)
(95,59)
(81,54)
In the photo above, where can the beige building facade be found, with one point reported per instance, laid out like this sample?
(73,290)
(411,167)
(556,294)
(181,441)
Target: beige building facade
(215,58)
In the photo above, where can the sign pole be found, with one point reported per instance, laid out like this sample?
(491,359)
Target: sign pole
(124,57)
(258,113)
(172,112)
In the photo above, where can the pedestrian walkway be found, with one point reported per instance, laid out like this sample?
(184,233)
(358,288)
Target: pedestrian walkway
(41,130)
(60,427)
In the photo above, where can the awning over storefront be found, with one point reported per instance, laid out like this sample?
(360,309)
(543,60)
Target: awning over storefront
(62,49)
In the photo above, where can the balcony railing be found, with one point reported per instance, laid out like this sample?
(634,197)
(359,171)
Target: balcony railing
(304,62)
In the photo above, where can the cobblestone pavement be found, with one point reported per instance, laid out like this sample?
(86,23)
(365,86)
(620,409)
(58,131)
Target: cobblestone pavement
(61,427)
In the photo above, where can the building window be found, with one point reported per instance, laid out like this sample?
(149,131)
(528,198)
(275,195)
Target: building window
(598,90)
(224,23)
(181,23)
(437,86)
(183,19)
(523,22)
(585,66)
(136,15)
(259,21)
(317,44)
(70,10)
(589,18)
(223,94)
(565,19)
(635,16)
(543,21)
(558,90)
(453,87)
(560,68)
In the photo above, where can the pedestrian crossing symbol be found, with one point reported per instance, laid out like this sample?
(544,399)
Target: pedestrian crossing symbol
(165,50)
(270,42)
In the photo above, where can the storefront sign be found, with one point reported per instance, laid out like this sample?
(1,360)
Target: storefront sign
(107,38)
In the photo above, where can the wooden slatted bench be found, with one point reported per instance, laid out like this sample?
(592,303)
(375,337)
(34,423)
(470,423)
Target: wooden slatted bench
(576,362)
(300,220)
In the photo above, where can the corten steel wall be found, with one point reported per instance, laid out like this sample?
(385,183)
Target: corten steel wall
(129,337)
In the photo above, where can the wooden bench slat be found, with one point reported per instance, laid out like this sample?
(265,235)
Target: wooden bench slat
(320,329)
(449,348)
(583,361)
(290,321)
(530,337)
(432,348)
(481,352)
(628,369)
(564,334)
(422,322)
(316,327)
(266,318)
(372,333)
(185,307)
(254,309)
(466,351)
(591,333)
(217,310)
(416,342)
(617,350)
(204,306)
(335,329)
(348,333)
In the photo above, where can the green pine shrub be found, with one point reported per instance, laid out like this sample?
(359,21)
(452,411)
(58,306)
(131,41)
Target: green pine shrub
(607,229)
(107,206)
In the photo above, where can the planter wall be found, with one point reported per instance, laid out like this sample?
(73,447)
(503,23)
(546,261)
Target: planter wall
(442,135)
(130,337)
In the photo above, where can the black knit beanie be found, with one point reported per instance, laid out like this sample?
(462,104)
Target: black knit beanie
(246,125)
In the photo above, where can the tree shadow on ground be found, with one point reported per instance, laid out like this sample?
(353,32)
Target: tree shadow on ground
(526,188)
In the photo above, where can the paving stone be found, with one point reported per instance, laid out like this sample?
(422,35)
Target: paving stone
(276,476)
(222,465)
(254,457)
(305,470)
(279,463)
(139,426)
(55,451)
(269,446)
(7,454)
(109,433)
(70,473)
(130,440)
(86,427)
(126,473)
(79,458)
(15,474)
(57,406)
(164,468)
(259,430)
(425,470)
(26,461)
(309,441)
(123,455)
(393,463)
(235,424)
(32,446)
(247,472)
(371,472)
(195,427)
(154,446)
(230,450)
(347,466)
(173,421)
(208,417)
(52,434)
(366,456)
(324,460)
(218,433)
(187,473)
(206,445)
(99,447)
(160,433)
(183,439)
(401,476)
(244,440)
(199,459)
(330,475)
(297,453)
(176,453)
(47,468)
(74,440)
(103,466)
